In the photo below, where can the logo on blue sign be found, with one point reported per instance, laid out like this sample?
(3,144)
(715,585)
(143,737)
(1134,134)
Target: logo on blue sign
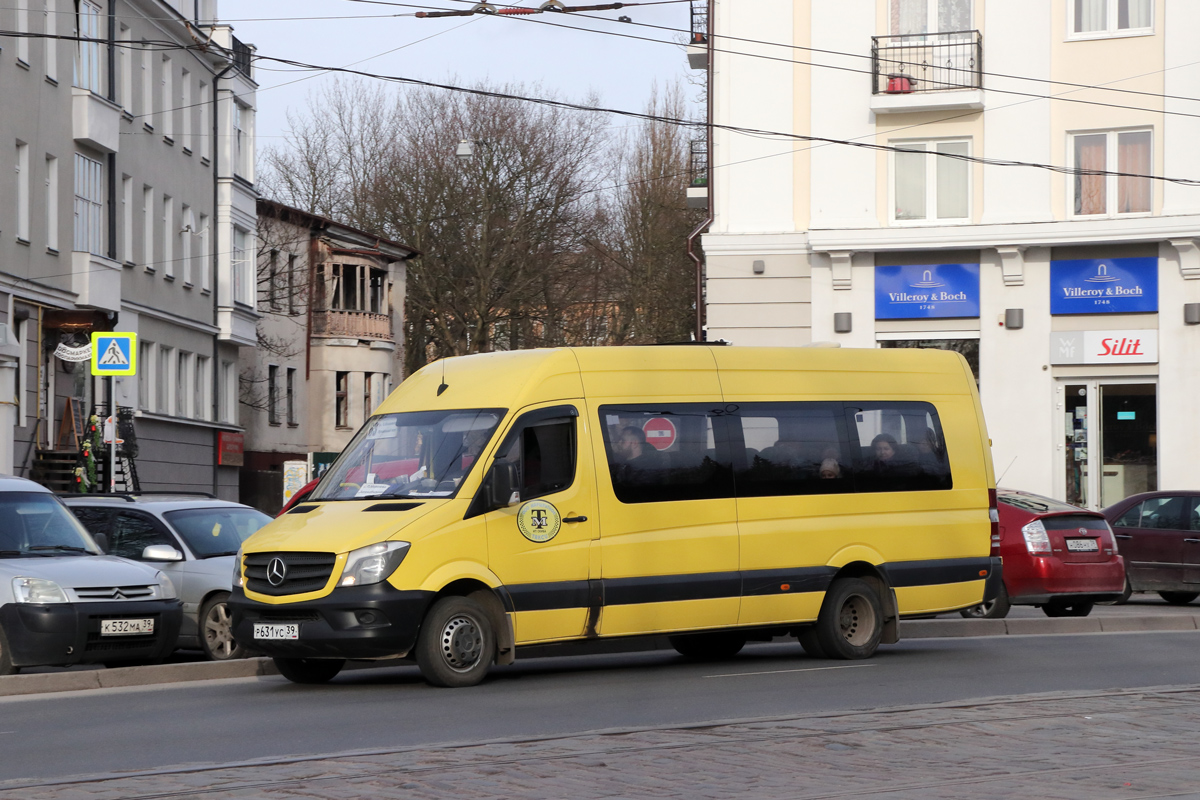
(1104,286)
(926,291)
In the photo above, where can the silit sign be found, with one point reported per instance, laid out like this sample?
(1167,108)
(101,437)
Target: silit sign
(1104,286)
(1104,347)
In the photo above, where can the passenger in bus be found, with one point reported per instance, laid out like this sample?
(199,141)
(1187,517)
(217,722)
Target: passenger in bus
(830,469)
(892,458)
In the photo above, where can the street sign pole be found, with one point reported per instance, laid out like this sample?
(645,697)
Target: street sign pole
(112,447)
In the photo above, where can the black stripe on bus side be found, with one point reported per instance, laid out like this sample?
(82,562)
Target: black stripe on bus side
(798,579)
(902,574)
(669,588)
(549,596)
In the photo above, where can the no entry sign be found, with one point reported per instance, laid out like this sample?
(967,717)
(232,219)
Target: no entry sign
(660,432)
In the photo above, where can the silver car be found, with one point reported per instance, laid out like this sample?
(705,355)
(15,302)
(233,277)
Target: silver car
(63,602)
(203,535)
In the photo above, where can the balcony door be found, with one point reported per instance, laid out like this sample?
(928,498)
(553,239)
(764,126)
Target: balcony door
(930,17)
(932,46)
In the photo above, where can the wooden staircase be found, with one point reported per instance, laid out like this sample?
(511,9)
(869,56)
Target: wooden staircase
(55,469)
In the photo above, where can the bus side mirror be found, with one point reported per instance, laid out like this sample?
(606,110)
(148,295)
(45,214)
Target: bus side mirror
(502,485)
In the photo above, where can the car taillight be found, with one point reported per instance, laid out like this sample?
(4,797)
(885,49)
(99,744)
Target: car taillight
(1037,541)
(1112,538)
(994,517)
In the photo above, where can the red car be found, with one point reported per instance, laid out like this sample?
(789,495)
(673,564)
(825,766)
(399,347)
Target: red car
(299,497)
(1057,557)
(1159,534)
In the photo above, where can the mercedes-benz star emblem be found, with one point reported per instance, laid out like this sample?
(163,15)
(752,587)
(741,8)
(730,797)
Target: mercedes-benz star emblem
(276,571)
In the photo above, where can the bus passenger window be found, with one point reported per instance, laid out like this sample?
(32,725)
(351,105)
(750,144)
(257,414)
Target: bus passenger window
(900,447)
(793,449)
(664,453)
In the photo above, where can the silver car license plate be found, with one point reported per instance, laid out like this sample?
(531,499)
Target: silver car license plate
(266,630)
(126,627)
(1083,545)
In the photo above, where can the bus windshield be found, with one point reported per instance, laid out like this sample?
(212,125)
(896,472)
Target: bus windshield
(412,454)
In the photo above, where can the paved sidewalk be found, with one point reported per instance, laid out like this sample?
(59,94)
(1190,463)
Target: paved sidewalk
(1074,746)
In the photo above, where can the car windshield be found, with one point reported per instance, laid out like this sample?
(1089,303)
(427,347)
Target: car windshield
(217,531)
(37,524)
(413,454)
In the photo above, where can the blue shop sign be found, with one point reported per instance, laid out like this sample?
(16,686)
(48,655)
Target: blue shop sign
(1104,286)
(927,291)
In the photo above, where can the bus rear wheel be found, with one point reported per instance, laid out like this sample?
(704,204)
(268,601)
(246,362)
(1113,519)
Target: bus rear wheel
(850,624)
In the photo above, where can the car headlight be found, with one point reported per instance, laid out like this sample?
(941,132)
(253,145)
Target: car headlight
(238,580)
(373,563)
(37,590)
(166,587)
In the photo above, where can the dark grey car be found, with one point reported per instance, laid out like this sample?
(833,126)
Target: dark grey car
(204,533)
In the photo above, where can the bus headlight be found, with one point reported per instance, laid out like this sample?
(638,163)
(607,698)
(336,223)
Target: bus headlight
(373,563)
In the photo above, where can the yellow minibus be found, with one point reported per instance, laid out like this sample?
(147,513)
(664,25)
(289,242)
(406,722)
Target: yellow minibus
(716,495)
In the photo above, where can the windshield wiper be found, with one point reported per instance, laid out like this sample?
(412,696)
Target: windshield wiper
(67,547)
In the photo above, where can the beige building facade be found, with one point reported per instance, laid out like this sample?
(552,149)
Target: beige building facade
(992,177)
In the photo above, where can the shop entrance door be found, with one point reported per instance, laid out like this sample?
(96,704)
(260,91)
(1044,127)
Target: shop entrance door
(1110,443)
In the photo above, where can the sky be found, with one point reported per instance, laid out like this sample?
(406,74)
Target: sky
(568,61)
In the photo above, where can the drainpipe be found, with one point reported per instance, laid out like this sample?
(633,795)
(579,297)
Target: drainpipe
(691,239)
(214,250)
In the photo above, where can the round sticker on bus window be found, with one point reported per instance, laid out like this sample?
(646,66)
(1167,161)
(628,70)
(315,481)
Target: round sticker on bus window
(539,521)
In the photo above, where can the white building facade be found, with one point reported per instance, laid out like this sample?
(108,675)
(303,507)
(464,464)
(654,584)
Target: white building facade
(1076,297)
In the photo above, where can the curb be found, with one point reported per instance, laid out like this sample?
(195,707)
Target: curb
(51,682)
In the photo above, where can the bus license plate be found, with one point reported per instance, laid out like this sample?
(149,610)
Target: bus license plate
(264,630)
(1083,545)
(126,627)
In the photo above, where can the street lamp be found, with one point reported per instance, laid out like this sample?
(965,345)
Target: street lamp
(466,150)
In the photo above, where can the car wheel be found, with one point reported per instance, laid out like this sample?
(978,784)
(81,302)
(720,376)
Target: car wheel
(850,624)
(216,630)
(6,664)
(995,609)
(309,670)
(456,645)
(1179,598)
(810,642)
(1122,599)
(708,646)
(1067,608)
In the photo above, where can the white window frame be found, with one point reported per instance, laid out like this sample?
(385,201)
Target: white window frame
(125,59)
(168,225)
(187,230)
(147,109)
(50,12)
(147,364)
(127,219)
(186,111)
(183,381)
(229,392)
(89,205)
(240,265)
(205,99)
(21,166)
(167,100)
(205,255)
(89,73)
(22,18)
(1112,182)
(931,164)
(1111,30)
(148,228)
(51,203)
(203,388)
(164,384)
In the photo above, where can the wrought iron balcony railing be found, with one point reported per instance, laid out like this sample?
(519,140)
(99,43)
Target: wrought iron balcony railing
(927,62)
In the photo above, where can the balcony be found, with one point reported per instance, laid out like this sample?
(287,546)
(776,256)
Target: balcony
(927,72)
(697,192)
(241,57)
(352,325)
(697,48)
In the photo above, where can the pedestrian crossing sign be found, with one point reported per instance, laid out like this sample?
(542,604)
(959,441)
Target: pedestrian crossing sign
(114,353)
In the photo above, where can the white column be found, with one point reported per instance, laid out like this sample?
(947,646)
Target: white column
(8,414)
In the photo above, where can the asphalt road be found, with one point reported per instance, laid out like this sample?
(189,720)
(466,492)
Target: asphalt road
(112,730)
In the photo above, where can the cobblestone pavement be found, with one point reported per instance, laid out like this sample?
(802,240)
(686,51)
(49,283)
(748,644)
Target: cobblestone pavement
(1120,744)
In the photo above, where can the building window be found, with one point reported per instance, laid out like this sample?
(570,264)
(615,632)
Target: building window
(88,55)
(185,108)
(291,396)
(147,85)
(144,377)
(204,129)
(341,399)
(52,203)
(186,232)
(89,205)
(127,218)
(273,280)
(183,395)
(243,145)
(50,13)
(273,394)
(168,238)
(22,170)
(167,101)
(909,17)
(931,181)
(1094,18)
(148,227)
(354,287)
(125,59)
(163,380)
(203,389)
(291,284)
(205,256)
(1127,152)
(228,391)
(368,404)
(243,280)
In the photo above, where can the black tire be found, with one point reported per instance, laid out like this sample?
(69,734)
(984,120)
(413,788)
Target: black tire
(216,630)
(6,664)
(456,645)
(708,646)
(309,670)
(850,624)
(810,642)
(996,609)
(1179,598)
(1067,608)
